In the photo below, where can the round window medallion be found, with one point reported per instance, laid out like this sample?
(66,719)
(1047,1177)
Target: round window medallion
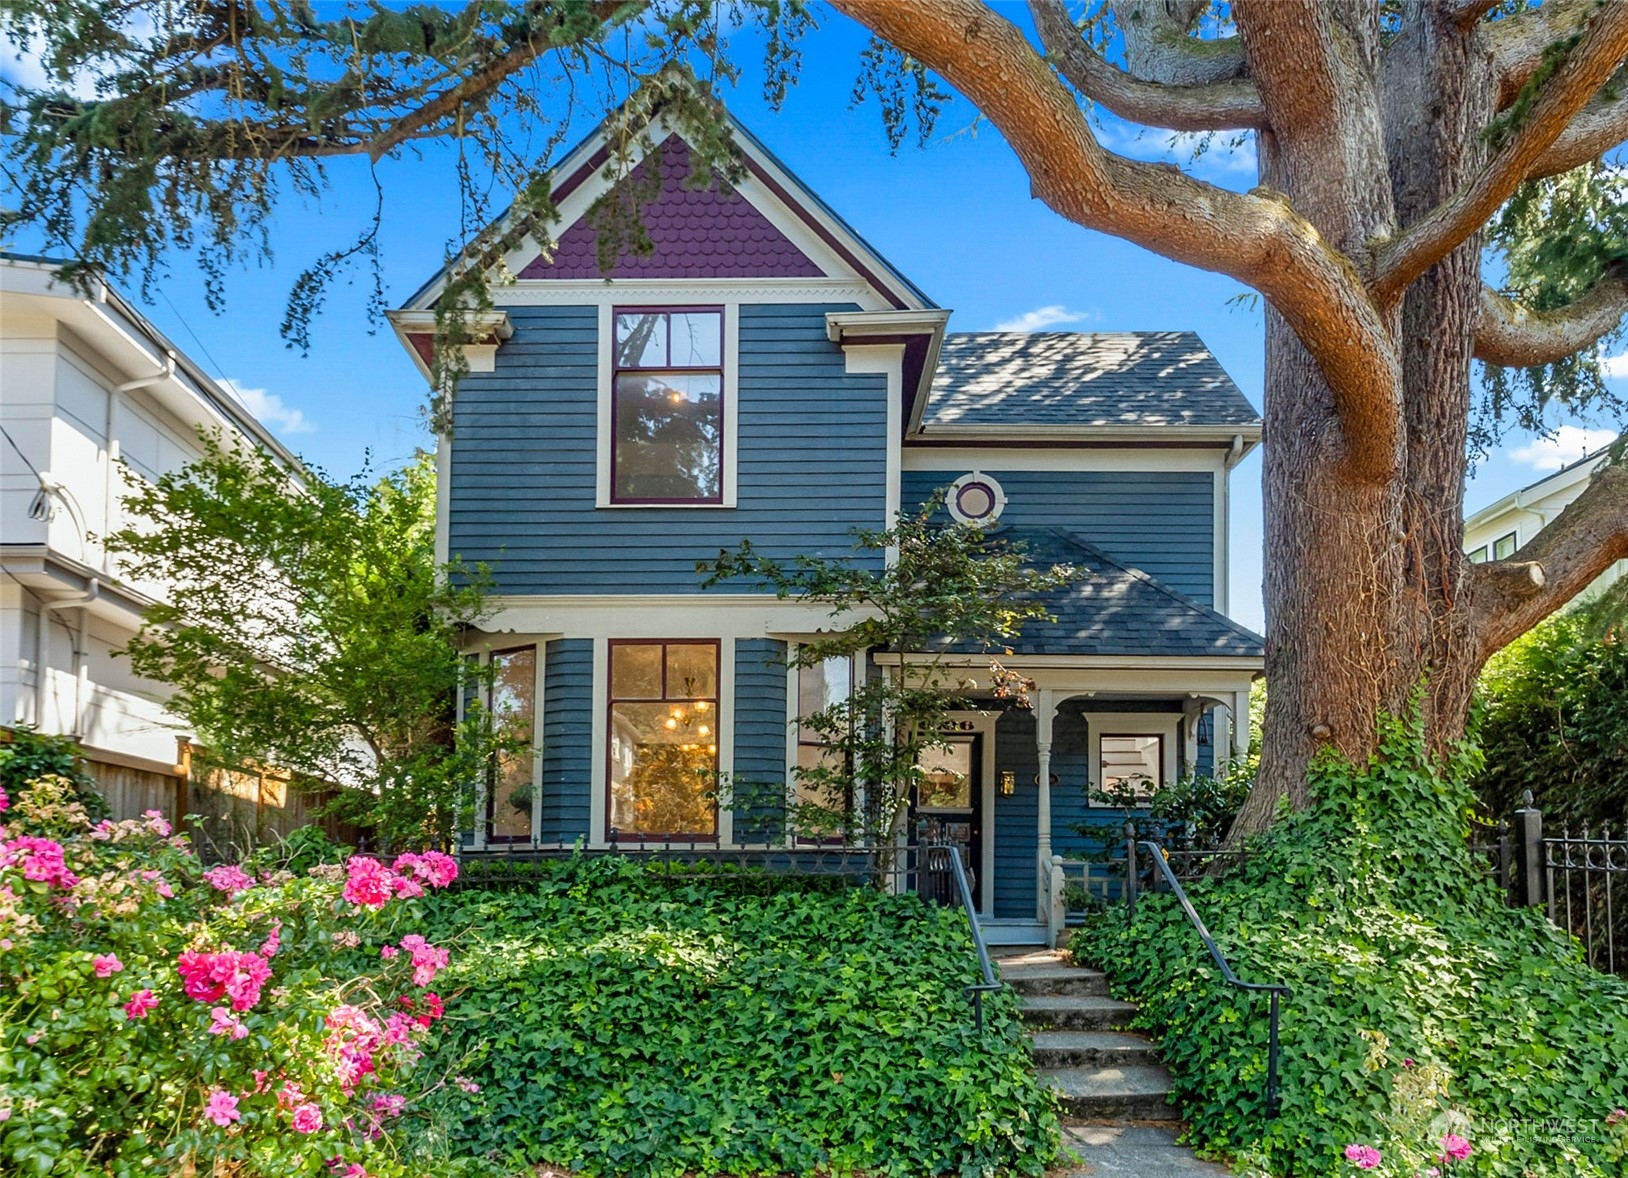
(976,499)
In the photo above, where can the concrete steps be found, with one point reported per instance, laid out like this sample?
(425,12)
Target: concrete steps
(1099,1072)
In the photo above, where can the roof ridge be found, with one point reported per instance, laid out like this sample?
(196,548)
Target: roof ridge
(1153,582)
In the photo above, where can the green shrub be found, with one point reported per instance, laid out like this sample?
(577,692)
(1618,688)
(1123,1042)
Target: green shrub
(27,755)
(159,1019)
(1555,722)
(631,1022)
(1368,905)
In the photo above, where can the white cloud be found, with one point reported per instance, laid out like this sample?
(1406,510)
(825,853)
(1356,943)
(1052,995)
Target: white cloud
(1569,444)
(1043,317)
(1615,367)
(269,408)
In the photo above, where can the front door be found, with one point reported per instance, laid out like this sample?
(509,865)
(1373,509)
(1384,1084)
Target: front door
(949,804)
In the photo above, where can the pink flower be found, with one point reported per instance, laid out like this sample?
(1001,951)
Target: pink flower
(224,1022)
(356,1170)
(1364,1157)
(367,882)
(140,1003)
(273,942)
(41,860)
(1454,1148)
(160,884)
(432,867)
(1615,1115)
(405,886)
(222,1108)
(106,964)
(466,1084)
(307,1118)
(5,801)
(229,878)
(427,959)
(209,977)
(389,1104)
(156,822)
(389,951)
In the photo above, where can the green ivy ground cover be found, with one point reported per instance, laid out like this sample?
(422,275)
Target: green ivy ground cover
(620,1022)
(1422,1005)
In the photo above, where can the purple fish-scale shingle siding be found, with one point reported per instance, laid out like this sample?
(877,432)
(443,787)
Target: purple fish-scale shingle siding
(697,232)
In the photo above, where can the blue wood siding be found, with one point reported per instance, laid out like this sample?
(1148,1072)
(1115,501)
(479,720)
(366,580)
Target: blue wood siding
(760,739)
(1162,522)
(568,703)
(812,459)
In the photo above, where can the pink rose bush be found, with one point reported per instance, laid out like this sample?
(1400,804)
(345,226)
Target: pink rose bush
(273,1034)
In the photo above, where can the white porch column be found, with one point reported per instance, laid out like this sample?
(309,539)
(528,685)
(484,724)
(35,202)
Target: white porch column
(1044,711)
(1240,724)
(1191,711)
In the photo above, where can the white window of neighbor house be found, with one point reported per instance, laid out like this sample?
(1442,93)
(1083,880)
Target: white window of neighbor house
(1504,547)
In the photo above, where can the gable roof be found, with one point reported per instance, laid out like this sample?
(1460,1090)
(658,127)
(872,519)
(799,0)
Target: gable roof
(991,380)
(773,202)
(1114,609)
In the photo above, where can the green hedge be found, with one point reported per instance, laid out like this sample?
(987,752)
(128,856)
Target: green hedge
(622,1021)
(1421,1003)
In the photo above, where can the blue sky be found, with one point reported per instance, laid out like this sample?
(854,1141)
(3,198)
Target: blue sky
(956,217)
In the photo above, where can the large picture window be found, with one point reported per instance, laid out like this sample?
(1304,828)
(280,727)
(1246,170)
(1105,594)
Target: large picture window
(667,405)
(819,812)
(511,788)
(663,736)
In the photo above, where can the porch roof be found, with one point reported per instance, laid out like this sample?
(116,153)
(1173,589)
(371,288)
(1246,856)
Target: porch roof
(1117,610)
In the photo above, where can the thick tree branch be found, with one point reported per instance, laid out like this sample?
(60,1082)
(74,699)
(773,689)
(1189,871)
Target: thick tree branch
(1432,237)
(1158,47)
(1465,13)
(1218,106)
(1513,336)
(1519,42)
(1255,237)
(1598,127)
(1511,596)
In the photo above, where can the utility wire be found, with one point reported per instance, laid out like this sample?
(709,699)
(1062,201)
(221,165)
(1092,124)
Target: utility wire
(32,468)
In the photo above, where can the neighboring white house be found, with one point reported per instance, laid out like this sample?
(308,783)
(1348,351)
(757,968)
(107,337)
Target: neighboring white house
(1499,529)
(86,381)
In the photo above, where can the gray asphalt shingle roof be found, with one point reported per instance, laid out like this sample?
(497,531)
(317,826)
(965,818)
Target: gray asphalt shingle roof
(1114,609)
(1075,378)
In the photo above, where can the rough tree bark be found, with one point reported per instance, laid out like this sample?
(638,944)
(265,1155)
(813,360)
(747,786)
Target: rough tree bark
(1377,175)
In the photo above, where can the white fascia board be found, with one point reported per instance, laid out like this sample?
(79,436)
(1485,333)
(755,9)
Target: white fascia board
(1171,435)
(632,615)
(850,328)
(994,459)
(1085,662)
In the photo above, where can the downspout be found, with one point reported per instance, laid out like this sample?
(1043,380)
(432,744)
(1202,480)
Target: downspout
(42,640)
(142,382)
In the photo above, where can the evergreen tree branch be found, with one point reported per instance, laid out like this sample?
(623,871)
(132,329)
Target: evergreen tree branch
(1511,596)
(1587,67)
(1227,105)
(1515,336)
(1255,237)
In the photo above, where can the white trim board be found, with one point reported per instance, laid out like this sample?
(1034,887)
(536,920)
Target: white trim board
(694,615)
(993,459)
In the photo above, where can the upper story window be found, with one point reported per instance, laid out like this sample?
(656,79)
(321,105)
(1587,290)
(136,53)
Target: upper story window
(667,405)
(1504,547)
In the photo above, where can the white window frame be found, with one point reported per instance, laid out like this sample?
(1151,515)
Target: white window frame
(1100,724)
(606,425)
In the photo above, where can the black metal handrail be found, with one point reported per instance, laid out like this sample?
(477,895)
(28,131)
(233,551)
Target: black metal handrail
(1275,991)
(989,985)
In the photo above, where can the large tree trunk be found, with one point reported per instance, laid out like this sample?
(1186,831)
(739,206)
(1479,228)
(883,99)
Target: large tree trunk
(1366,591)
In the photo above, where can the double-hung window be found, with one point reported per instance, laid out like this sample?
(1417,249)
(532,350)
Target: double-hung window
(663,740)
(667,406)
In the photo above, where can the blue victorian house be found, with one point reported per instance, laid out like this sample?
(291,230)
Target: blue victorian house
(764,374)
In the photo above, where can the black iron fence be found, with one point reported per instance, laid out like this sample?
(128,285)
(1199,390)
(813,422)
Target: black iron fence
(1578,877)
